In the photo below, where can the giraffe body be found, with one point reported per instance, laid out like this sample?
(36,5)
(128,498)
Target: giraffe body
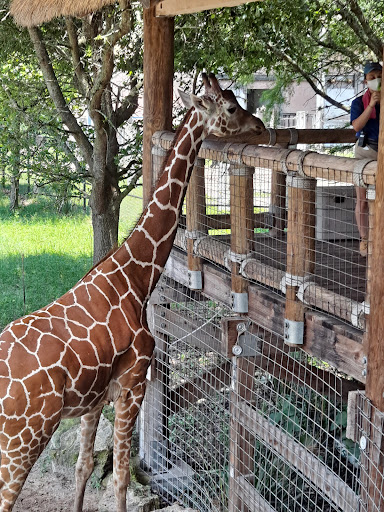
(93,345)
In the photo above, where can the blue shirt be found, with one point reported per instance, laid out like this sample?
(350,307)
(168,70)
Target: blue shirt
(371,129)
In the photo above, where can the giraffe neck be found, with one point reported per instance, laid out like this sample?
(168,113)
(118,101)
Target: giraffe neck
(150,243)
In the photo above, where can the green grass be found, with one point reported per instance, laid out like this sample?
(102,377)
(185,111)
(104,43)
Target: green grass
(43,254)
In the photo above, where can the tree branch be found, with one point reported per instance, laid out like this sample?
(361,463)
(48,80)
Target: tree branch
(128,106)
(331,45)
(57,96)
(374,42)
(357,22)
(81,76)
(307,77)
(107,64)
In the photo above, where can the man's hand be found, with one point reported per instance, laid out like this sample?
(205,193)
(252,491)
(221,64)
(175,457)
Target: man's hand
(375,98)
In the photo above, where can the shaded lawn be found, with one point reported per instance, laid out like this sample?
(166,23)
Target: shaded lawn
(43,254)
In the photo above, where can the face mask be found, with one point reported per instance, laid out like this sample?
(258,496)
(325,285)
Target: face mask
(374,85)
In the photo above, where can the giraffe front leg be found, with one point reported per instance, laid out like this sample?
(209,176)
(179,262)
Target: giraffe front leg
(85,462)
(15,468)
(19,452)
(126,410)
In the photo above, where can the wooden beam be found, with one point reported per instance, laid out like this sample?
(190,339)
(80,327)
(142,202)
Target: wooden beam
(174,7)
(375,346)
(375,375)
(158,86)
(283,136)
(315,165)
(300,250)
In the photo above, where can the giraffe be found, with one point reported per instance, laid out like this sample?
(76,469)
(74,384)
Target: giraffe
(92,346)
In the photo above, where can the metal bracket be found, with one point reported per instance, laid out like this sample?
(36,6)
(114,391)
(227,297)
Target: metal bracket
(195,279)
(247,344)
(239,302)
(293,332)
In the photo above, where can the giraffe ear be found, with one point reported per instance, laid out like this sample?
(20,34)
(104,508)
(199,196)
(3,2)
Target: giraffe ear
(186,98)
(191,100)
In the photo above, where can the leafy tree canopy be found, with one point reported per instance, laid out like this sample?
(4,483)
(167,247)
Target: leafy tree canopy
(294,40)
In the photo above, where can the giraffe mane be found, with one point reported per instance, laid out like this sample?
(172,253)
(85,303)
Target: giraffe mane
(116,247)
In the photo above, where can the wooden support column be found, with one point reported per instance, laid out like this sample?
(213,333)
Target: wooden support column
(242,231)
(243,368)
(196,226)
(375,346)
(237,334)
(158,86)
(300,251)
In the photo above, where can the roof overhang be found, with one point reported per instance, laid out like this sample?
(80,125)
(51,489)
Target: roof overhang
(174,7)
(34,12)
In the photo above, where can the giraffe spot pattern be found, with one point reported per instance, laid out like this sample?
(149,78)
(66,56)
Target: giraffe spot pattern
(93,344)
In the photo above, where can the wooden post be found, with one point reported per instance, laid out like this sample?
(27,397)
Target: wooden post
(243,368)
(278,200)
(241,441)
(375,346)
(196,227)
(300,251)
(277,206)
(242,230)
(158,86)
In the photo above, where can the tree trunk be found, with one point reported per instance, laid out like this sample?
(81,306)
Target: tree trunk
(105,220)
(14,196)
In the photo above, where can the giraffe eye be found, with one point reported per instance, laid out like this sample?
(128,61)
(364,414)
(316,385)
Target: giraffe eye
(232,110)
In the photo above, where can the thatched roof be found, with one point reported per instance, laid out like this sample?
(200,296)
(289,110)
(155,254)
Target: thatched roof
(34,12)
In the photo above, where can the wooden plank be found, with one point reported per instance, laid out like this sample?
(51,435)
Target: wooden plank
(241,440)
(299,457)
(375,374)
(278,201)
(196,211)
(336,343)
(251,497)
(175,7)
(242,228)
(283,136)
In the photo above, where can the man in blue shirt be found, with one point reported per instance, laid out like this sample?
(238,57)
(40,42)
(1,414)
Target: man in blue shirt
(365,116)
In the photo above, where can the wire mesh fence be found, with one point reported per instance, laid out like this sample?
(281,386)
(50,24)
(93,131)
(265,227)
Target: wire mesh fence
(264,196)
(237,417)
(260,432)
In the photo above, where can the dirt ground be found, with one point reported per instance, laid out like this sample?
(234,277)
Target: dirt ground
(48,492)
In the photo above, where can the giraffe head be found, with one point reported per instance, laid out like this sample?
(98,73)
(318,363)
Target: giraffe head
(221,112)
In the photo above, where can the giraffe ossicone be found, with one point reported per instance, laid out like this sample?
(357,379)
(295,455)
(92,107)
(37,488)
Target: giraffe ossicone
(92,345)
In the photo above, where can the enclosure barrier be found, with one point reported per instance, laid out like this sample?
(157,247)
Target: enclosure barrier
(255,398)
